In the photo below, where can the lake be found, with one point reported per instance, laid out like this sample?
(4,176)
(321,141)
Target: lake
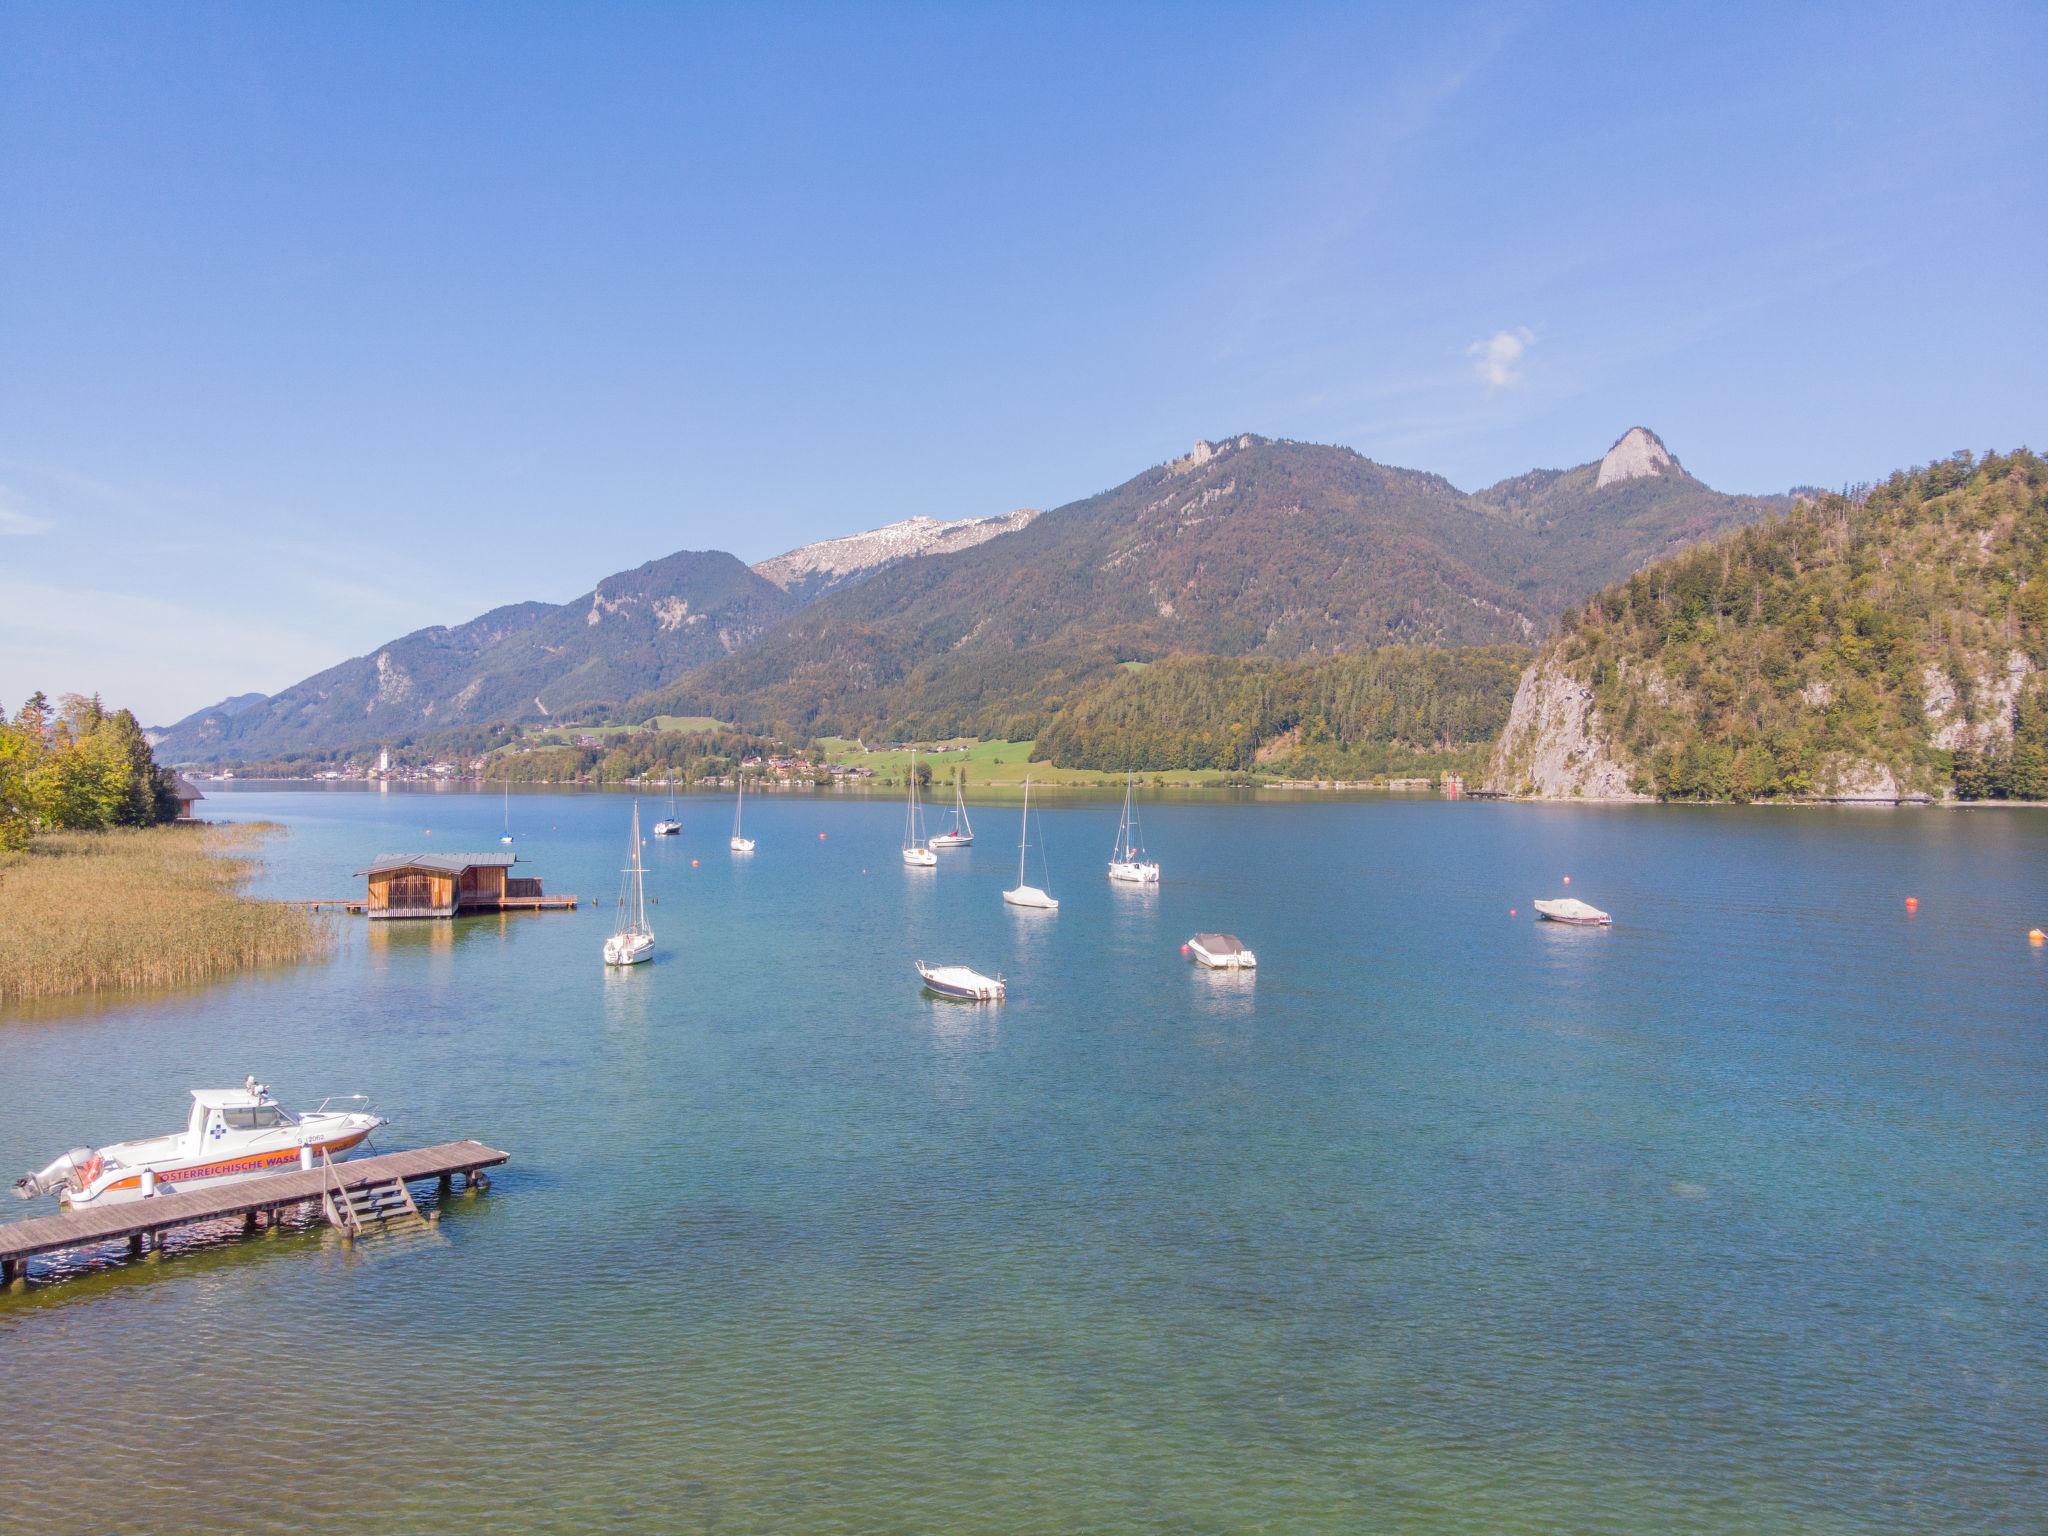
(1728,1218)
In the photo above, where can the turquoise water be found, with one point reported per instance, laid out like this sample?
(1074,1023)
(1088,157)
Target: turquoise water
(1727,1219)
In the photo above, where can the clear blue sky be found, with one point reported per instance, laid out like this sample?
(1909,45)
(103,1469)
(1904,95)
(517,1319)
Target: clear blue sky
(320,323)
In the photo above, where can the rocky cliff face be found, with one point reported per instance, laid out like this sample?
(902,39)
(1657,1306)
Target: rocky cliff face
(1639,455)
(1555,745)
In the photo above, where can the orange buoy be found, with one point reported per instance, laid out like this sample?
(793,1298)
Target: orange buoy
(2036,936)
(693,863)
(821,837)
(1912,903)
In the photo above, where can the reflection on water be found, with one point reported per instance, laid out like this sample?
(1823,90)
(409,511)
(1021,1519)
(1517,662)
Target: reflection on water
(1440,1221)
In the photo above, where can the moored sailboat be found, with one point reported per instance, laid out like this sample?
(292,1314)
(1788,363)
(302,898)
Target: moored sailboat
(508,813)
(916,851)
(961,833)
(1028,895)
(1125,863)
(633,941)
(672,825)
(740,842)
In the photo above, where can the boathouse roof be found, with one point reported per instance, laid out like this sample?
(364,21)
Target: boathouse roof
(183,788)
(445,863)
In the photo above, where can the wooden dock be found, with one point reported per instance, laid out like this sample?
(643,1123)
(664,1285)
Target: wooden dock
(341,1187)
(359,904)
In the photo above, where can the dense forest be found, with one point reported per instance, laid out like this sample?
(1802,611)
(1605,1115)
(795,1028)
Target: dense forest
(77,766)
(1390,710)
(1905,627)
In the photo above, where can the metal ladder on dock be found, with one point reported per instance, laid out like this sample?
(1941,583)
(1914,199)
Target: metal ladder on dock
(352,1210)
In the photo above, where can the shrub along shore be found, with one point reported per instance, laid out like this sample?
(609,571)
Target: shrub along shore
(92,912)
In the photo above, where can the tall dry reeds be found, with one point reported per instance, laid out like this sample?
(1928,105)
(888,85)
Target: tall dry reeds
(160,906)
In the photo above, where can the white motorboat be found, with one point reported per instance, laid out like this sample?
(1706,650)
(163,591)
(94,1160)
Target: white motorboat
(1125,861)
(961,833)
(960,983)
(633,941)
(1222,952)
(231,1134)
(672,824)
(740,843)
(1028,895)
(917,851)
(1569,909)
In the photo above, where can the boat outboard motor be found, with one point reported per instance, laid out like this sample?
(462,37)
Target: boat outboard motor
(61,1174)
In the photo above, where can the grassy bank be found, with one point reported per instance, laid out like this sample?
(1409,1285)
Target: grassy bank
(111,911)
(998,764)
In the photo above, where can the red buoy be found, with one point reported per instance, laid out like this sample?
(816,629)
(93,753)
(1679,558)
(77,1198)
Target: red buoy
(1183,949)
(1912,903)
(1567,879)
(1511,911)
(693,863)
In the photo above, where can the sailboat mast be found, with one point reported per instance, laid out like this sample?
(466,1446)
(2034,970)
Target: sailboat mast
(1023,831)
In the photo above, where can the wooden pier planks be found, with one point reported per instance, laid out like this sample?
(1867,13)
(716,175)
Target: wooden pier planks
(20,1240)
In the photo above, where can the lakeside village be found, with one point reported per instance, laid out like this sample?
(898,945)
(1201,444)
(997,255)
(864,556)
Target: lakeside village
(800,770)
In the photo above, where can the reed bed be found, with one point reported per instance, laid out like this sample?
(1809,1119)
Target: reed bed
(85,912)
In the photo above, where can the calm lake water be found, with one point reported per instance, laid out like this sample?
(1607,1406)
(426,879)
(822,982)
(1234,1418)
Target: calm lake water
(1728,1219)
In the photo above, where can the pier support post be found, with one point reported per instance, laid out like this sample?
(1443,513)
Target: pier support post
(136,1242)
(447,1185)
(12,1270)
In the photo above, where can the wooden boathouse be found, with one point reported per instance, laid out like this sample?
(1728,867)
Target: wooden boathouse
(447,884)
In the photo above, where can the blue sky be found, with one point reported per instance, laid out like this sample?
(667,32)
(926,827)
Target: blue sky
(318,324)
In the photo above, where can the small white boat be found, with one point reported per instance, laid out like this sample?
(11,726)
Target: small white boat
(633,941)
(917,851)
(740,843)
(508,813)
(232,1134)
(961,833)
(1126,864)
(1222,952)
(672,824)
(1028,895)
(960,983)
(1570,909)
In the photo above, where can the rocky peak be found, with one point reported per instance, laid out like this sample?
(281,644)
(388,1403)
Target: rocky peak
(1639,455)
(1206,452)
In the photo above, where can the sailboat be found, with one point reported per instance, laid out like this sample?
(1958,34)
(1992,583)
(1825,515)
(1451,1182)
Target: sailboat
(1027,895)
(740,844)
(1124,863)
(961,833)
(634,940)
(916,851)
(673,826)
(508,813)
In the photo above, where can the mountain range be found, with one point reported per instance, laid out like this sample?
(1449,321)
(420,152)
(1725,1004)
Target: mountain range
(1245,546)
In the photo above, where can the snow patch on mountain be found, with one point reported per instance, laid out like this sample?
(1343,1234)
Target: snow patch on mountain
(815,569)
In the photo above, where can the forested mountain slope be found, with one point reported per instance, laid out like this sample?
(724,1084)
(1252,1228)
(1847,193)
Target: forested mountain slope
(1860,647)
(527,661)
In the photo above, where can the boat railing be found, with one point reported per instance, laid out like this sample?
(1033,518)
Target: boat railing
(352,1103)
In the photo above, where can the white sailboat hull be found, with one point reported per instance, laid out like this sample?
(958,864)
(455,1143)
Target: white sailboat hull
(920,858)
(952,840)
(1133,872)
(1031,896)
(628,948)
(743,845)
(668,829)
